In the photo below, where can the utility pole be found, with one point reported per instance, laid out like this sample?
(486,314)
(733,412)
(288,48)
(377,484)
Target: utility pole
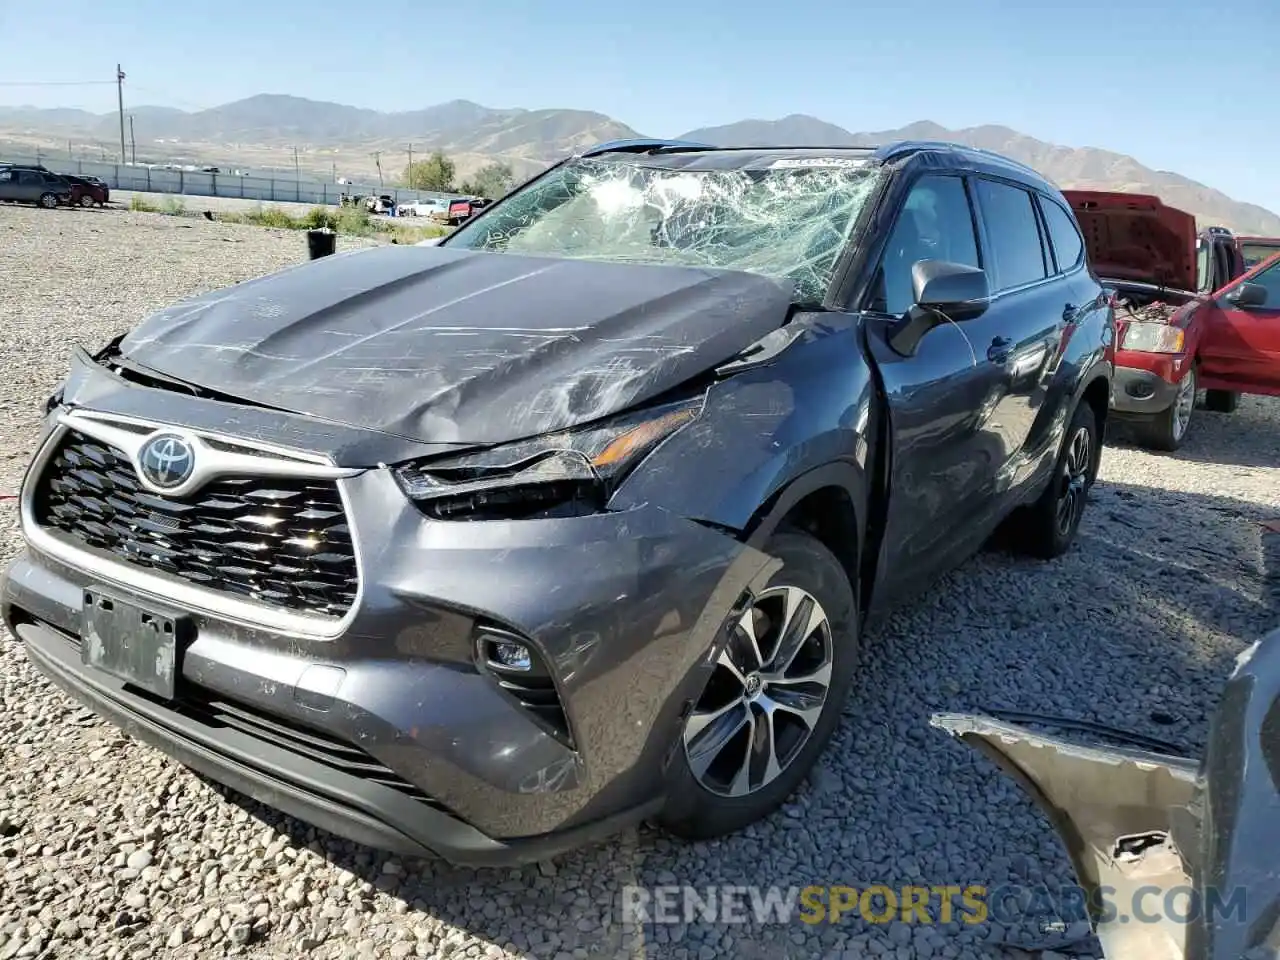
(297,170)
(377,159)
(133,143)
(410,165)
(70,155)
(120,103)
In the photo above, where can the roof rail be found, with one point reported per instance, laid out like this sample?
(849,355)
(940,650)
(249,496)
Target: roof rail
(643,146)
(902,147)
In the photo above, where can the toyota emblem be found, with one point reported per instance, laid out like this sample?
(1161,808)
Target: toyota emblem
(166,461)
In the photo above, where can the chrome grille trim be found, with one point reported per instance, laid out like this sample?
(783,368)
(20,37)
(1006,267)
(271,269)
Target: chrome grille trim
(166,589)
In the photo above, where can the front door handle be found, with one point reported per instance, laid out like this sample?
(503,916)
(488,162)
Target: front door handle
(1000,350)
(1069,312)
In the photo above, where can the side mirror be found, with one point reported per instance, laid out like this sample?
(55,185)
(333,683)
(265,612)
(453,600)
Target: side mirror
(941,289)
(1248,295)
(955,289)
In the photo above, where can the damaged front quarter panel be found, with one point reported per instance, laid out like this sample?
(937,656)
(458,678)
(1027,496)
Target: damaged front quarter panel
(1178,860)
(803,409)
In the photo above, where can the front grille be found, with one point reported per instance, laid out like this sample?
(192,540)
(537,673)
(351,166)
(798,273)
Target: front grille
(281,541)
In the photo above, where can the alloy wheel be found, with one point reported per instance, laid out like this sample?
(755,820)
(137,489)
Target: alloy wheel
(1073,480)
(765,695)
(86,201)
(1183,404)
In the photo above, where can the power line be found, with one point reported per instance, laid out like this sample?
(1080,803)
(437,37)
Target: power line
(53,83)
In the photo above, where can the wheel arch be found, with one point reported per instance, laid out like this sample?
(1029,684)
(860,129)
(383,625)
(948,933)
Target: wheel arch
(830,504)
(1097,393)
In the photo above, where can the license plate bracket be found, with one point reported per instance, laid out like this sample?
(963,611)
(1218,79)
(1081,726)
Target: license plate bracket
(133,643)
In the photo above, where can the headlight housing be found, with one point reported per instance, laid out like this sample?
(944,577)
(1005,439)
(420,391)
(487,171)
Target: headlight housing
(569,473)
(1153,338)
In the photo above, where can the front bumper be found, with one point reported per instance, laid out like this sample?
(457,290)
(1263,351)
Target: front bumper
(1139,391)
(387,732)
(354,807)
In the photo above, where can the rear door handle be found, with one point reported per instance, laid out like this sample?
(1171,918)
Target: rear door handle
(1000,350)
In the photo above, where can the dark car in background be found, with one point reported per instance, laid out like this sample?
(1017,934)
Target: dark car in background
(88,191)
(488,548)
(19,184)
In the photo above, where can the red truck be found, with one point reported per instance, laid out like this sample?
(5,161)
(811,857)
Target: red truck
(1186,318)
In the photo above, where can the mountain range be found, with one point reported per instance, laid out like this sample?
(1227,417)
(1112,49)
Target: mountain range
(330,134)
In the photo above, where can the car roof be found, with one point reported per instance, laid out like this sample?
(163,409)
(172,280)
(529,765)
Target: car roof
(690,155)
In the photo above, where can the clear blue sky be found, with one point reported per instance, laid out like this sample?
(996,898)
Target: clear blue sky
(1128,75)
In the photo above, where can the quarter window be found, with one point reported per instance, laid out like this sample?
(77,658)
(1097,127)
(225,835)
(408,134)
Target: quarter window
(935,223)
(1067,244)
(1017,254)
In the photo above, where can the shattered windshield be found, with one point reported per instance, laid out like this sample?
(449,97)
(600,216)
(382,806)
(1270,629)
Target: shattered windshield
(786,222)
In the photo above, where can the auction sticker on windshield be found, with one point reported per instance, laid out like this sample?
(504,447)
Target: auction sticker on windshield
(804,162)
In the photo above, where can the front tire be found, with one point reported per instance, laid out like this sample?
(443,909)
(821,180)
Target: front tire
(773,698)
(1168,429)
(1221,401)
(1049,525)
(86,201)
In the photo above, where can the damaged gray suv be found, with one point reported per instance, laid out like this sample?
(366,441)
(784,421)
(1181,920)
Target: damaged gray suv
(488,548)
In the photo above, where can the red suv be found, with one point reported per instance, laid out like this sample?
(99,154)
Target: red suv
(1181,326)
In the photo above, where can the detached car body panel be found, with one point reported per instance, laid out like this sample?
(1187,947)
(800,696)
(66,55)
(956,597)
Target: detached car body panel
(445,548)
(1191,842)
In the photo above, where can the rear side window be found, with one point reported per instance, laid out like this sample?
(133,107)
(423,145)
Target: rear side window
(1016,253)
(935,223)
(1067,245)
(30,177)
(1255,253)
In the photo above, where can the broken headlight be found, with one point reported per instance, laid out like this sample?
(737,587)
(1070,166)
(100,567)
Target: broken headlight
(1153,338)
(561,474)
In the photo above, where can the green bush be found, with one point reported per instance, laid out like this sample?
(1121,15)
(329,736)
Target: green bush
(318,218)
(350,221)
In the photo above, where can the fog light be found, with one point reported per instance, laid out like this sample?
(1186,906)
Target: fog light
(508,654)
(513,655)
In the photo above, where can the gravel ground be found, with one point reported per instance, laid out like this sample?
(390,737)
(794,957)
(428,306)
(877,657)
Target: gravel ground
(108,849)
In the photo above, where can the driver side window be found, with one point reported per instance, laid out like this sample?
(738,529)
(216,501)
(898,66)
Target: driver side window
(1270,279)
(935,223)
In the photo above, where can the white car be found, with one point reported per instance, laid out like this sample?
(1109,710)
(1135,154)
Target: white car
(423,208)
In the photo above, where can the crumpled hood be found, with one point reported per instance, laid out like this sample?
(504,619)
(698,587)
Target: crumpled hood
(447,346)
(1133,236)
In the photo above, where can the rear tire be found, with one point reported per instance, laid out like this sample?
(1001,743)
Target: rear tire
(49,201)
(1168,429)
(86,201)
(755,729)
(1221,401)
(1048,527)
